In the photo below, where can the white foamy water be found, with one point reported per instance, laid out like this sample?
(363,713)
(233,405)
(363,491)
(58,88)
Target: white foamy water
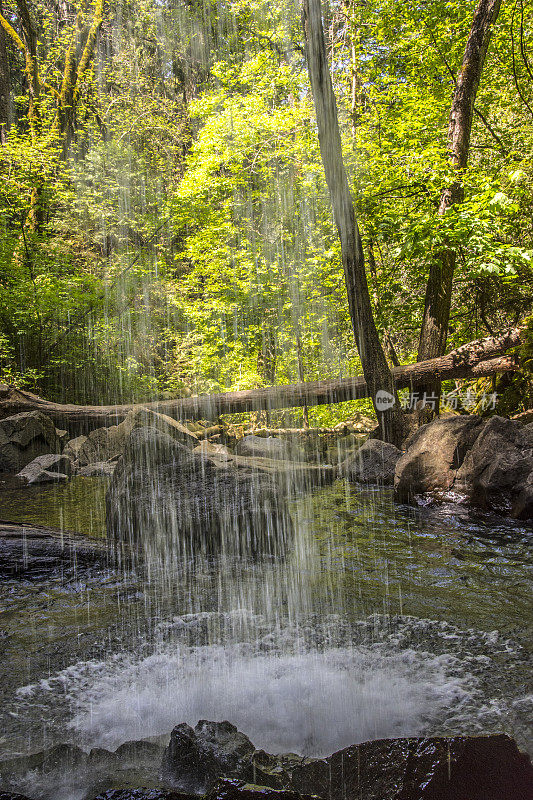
(290,698)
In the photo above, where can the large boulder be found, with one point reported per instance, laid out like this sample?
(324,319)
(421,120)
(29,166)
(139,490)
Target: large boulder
(25,436)
(164,498)
(196,758)
(263,447)
(107,444)
(497,472)
(488,462)
(46,469)
(451,768)
(434,454)
(374,462)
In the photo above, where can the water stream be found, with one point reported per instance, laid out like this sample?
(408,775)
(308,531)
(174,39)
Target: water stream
(381,621)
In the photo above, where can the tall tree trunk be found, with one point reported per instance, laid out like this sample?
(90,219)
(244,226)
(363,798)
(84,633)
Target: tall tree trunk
(375,368)
(5,85)
(440,281)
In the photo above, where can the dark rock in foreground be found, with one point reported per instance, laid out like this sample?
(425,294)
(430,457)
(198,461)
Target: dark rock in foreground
(217,759)
(488,462)
(12,796)
(455,768)
(195,759)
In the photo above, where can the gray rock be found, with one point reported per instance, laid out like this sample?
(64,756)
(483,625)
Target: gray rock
(105,444)
(45,469)
(25,436)
(73,448)
(374,462)
(434,454)
(97,469)
(211,449)
(195,759)
(146,418)
(263,447)
(165,499)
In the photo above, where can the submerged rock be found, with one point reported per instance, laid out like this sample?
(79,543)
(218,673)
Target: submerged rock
(46,469)
(164,498)
(24,437)
(141,794)
(97,469)
(374,462)
(488,462)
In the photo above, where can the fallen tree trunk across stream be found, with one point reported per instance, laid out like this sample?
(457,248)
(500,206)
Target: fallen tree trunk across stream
(483,357)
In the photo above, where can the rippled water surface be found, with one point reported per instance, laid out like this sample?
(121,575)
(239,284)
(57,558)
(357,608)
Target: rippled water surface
(381,621)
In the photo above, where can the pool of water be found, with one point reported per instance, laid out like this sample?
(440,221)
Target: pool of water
(382,620)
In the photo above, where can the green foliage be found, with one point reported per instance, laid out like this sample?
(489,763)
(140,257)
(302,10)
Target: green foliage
(187,242)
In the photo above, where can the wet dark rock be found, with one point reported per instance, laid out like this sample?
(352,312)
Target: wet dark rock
(164,496)
(12,796)
(196,758)
(215,758)
(454,768)
(24,437)
(487,462)
(263,447)
(374,462)
(51,468)
(434,454)
(32,552)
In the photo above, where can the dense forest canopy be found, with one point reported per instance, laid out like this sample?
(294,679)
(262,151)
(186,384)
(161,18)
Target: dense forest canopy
(166,225)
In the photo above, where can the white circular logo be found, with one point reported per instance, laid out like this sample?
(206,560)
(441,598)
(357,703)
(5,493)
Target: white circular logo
(384,400)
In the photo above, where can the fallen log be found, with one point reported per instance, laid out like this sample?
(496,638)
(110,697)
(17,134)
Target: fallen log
(471,361)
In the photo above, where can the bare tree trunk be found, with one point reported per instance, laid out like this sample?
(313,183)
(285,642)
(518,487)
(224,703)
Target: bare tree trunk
(375,368)
(440,281)
(5,85)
